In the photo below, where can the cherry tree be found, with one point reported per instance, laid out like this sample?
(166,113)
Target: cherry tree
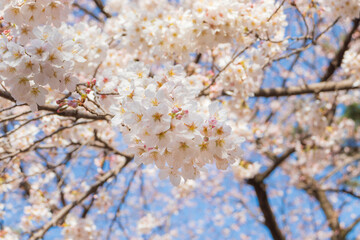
(187,119)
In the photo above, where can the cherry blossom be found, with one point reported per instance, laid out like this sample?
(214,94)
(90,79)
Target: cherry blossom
(201,119)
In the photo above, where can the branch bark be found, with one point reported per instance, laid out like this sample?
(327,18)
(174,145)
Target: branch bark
(306,89)
(65,210)
(311,187)
(277,162)
(100,6)
(75,4)
(336,62)
(270,220)
(67,113)
(260,189)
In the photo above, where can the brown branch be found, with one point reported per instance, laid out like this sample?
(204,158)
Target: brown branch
(260,189)
(277,162)
(311,88)
(312,188)
(67,113)
(13,117)
(122,201)
(336,62)
(11,107)
(278,8)
(213,80)
(351,227)
(88,207)
(107,146)
(270,220)
(198,58)
(100,6)
(351,193)
(65,210)
(35,143)
(75,4)
(24,124)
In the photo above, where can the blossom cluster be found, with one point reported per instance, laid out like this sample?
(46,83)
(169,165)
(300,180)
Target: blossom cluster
(163,124)
(242,77)
(348,8)
(38,51)
(147,223)
(9,234)
(245,170)
(38,211)
(170,32)
(351,63)
(93,42)
(27,14)
(312,118)
(79,228)
(44,60)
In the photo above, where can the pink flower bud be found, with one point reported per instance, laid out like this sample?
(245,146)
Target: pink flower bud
(212,121)
(73,104)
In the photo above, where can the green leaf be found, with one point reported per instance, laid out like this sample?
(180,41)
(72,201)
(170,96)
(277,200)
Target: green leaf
(353,112)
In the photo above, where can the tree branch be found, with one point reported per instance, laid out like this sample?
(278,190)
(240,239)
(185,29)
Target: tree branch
(270,221)
(75,4)
(351,193)
(122,201)
(311,187)
(312,88)
(351,227)
(336,62)
(65,210)
(67,113)
(100,5)
(277,162)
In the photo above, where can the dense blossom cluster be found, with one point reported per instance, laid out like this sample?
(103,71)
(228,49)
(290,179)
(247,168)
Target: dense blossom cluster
(351,65)
(147,223)
(246,170)
(94,45)
(164,31)
(100,99)
(242,77)
(166,126)
(82,229)
(348,8)
(37,212)
(27,14)
(44,60)
(312,118)
(46,53)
